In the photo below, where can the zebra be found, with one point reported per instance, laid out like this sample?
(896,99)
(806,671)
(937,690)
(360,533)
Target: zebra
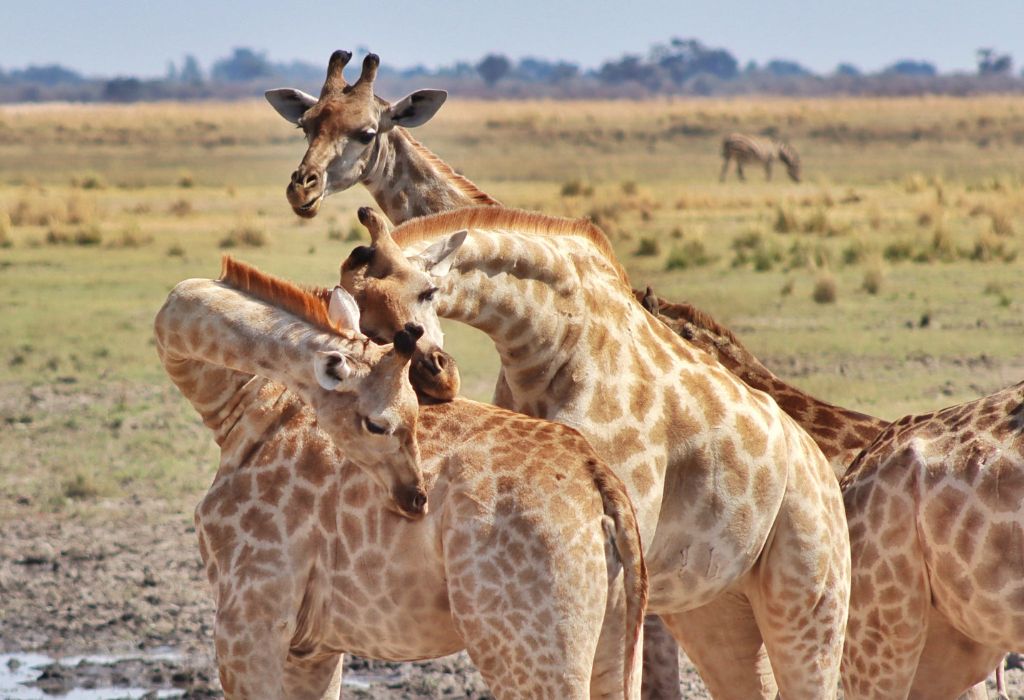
(743,149)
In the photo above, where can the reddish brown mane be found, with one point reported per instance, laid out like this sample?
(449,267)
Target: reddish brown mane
(428,227)
(691,314)
(308,303)
(462,183)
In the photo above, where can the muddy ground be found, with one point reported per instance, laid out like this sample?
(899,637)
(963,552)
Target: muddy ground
(128,593)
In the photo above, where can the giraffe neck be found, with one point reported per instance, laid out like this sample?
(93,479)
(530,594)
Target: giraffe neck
(220,348)
(536,297)
(407,180)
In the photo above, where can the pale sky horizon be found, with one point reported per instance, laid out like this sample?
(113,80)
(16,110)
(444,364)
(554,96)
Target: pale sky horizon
(140,37)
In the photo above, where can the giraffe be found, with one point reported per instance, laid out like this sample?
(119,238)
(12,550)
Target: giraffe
(406,180)
(528,555)
(840,433)
(936,592)
(739,511)
(355,136)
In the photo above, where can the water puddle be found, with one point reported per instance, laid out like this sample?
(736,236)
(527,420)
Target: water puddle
(159,673)
(32,676)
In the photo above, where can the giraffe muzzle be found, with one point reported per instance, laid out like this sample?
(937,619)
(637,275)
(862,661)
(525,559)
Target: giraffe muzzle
(305,193)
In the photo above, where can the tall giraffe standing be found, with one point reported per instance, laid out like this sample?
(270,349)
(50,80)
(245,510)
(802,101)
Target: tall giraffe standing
(739,511)
(840,433)
(355,136)
(937,591)
(529,553)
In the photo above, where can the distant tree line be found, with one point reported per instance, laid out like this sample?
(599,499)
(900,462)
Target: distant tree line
(680,66)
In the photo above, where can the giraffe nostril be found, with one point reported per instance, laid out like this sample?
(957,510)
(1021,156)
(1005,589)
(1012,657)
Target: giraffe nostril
(310,180)
(418,501)
(440,361)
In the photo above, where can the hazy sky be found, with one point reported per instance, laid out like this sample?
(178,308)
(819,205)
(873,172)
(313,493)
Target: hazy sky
(140,36)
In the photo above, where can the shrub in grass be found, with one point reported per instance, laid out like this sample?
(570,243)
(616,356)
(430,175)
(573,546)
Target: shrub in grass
(856,253)
(898,250)
(872,282)
(244,236)
(1001,224)
(88,236)
(180,208)
(785,220)
(355,233)
(629,187)
(90,181)
(79,210)
(824,289)
(648,247)
(942,246)
(689,254)
(575,188)
(186,181)
(175,251)
(993,288)
(817,222)
(80,487)
(787,288)
(5,230)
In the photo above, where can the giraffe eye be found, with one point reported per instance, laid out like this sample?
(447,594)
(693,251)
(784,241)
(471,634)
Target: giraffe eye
(365,136)
(427,295)
(374,428)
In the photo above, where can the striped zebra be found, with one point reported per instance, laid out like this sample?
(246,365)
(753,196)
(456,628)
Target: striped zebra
(744,149)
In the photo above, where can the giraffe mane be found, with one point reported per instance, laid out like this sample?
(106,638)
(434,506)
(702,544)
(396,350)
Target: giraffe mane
(426,228)
(460,182)
(308,303)
(690,313)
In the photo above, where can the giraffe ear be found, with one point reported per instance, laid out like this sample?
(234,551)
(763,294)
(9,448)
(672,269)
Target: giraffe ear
(290,103)
(331,369)
(438,258)
(343,310)
(416,108)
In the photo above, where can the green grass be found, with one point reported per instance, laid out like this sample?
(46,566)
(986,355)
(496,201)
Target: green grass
(134,199)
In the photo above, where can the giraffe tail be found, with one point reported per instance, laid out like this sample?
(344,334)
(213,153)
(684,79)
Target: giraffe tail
(625,537)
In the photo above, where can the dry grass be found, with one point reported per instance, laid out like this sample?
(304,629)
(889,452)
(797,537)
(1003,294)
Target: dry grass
(903,212)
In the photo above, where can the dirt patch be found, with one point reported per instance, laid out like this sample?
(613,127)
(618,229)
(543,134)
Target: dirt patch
(130,594)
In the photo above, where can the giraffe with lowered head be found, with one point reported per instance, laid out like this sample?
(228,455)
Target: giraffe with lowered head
(937,539)
(740,513)
(340,520)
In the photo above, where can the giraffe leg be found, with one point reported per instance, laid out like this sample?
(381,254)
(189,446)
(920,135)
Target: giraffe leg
(316,678)
(661,662)
(739,171)
(799,592)
(724,643)
(767,170)
(952,663)
(250,654)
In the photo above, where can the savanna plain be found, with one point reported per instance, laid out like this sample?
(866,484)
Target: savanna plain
(890,280)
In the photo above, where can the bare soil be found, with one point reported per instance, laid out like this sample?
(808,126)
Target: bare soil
(129,593)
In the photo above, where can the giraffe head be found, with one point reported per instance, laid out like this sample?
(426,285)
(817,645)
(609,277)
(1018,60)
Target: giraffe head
(392,289)
(371,414)
(343,128)
(368,406)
